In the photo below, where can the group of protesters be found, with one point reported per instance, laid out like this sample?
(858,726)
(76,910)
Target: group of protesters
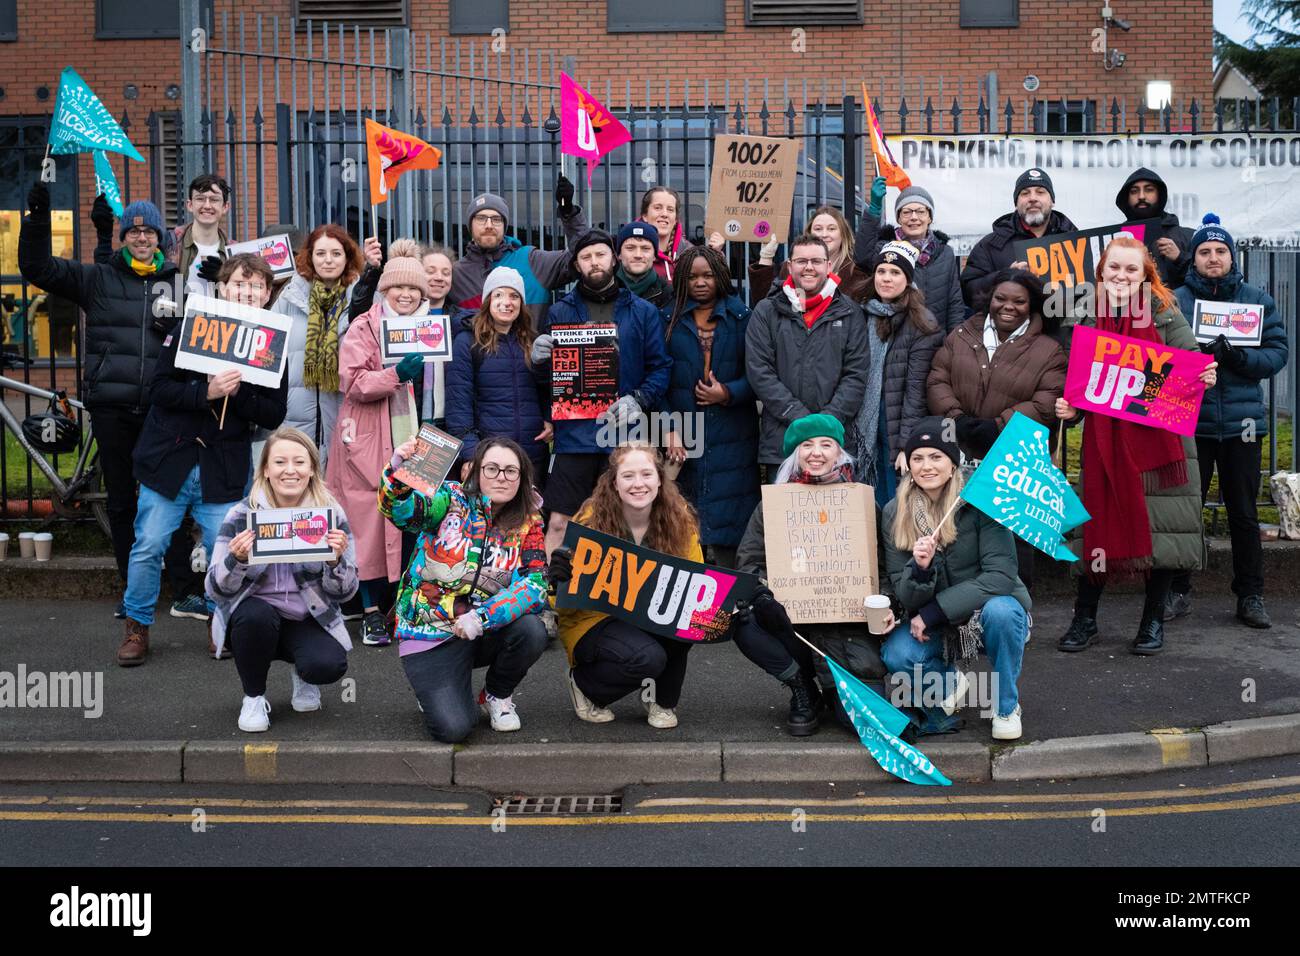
(867,355)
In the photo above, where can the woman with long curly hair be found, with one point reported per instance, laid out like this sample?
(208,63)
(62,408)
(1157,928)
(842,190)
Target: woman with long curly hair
(1140,483)
(609,658)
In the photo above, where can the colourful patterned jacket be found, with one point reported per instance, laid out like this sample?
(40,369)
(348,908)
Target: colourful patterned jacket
(460,563)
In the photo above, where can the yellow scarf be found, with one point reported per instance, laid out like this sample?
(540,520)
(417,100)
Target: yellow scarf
(143,269)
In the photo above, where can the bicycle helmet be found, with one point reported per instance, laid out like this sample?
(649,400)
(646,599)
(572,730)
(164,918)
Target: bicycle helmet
(52,432)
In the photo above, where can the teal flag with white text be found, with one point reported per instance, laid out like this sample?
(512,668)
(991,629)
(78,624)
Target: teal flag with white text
(106,181)
(82,123)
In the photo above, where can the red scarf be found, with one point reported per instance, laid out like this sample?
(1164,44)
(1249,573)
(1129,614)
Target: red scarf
(1125,460)
(812,307)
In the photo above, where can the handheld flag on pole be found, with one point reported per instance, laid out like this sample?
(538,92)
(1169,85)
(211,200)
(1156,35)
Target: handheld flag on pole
(82,123)
(389,153)
(106,182)
(1019,487)
(587,129)
(885,164)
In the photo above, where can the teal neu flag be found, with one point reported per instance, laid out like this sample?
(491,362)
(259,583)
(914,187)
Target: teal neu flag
(878,724)
(106,181)
(83,123)
(1018,487)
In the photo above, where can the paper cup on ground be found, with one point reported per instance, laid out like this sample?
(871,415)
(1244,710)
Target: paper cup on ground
(44,545)
(26,546)
(877,606)
(4,545)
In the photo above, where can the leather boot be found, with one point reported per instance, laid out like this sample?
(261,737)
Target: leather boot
(1081,632)
(1150,637)
(135,644)
(805,705)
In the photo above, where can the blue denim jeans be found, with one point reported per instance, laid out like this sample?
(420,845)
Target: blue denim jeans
(1006,625)
(156,518)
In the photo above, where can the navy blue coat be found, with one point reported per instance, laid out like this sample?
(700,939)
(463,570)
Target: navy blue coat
(494,393)
(1237,395)
(723,483)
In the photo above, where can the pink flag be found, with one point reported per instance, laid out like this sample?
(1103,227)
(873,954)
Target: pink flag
(587,129)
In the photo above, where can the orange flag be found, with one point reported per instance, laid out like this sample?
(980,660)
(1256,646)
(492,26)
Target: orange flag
(389,153)
(885,165)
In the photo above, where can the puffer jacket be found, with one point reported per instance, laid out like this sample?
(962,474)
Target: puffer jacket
(795,370)
(1172,271)
(495,393)
(723,482)
(907,366)
(939,278)
(997,251)
(1238,395)
(1026,375)
(122,344)
(1177,531)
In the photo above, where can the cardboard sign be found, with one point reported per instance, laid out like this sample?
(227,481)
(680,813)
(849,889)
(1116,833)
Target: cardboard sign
(428,336)
(290,534)
(435,453)
(276,250)
(584,371)
(821,550)
(751,188)
(217,336)
(659,593)
(1239,323)
(1070,258)
(1135,380)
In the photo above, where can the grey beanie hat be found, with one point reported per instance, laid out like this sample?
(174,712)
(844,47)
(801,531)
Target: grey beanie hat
(502,277)
(487,201)
(914,194)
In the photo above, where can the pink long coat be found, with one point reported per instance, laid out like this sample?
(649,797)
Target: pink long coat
(362,445)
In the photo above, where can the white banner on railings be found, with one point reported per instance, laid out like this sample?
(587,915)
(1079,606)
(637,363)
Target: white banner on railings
(1252,181)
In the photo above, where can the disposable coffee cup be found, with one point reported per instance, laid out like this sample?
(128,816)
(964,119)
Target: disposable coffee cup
(26,546)
(4,546)
(44,545)
(877,606)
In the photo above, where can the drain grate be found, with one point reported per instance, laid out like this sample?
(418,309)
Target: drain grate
(566,805)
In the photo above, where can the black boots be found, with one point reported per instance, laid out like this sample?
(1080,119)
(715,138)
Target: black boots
(1081,633)
(1250,611)
(805,705)
(1150,637)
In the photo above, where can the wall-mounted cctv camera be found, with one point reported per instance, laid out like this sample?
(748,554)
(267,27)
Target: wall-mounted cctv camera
(1122,24)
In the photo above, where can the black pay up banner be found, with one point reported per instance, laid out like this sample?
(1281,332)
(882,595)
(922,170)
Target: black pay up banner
(217,336)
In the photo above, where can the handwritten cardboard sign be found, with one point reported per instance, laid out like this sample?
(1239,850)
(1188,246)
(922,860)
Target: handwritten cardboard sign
(428,336)
(217,336)
(1070,258)
(821,550)
(584,371)
(276,250)
(1239,323)
(751,188)
(659,593)
(290,534)
(1135,380)
(435,453)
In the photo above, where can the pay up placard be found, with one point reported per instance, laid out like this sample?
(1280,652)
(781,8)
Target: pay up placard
(435,453)
(751,188)
(1240,323)
(290,534)
(217,336)
(821,550)
(276,250)
(428,336)
(1070,258)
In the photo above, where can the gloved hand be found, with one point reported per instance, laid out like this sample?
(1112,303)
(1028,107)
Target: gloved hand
(542,346)
(210,268)
(561,567)
(978,434)
(101,214)
(767,251)
(469,626)
(1229,355)
(564,195)
(769,613)
(408,369)
(877,197)
(38,199)
(623,411)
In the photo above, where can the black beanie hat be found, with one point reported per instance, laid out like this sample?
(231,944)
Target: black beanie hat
(592,237)
(929,433)
(1033,177)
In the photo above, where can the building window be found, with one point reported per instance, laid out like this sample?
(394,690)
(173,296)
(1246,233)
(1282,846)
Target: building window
(8,19)
(362,13)
(137,19)
(990,13)
(1071,116)
(664,16)
(763,13)
(479,16)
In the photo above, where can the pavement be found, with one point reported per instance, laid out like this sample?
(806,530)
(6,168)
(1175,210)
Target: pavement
(1220,692)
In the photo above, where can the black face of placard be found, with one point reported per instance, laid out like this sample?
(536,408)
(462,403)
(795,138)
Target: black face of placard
(435,453)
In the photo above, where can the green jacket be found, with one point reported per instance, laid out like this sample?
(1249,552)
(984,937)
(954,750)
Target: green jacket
(1177,531)
(980,564)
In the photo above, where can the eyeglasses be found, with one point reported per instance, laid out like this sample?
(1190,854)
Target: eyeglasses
(486,220)
(913,212)
(804,263)
(258,287)
(139,232)
(492,470)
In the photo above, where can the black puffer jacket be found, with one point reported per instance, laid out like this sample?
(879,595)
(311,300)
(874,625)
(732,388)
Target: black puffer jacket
(1172,271)
(122,343)
(939,278)
(997,251)
(907,368)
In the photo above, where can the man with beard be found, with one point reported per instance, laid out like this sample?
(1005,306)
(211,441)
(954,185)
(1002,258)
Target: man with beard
(1143,196)
(582,446)
(1033,218)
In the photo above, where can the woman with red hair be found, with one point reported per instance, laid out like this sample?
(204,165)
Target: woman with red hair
(316,299)
(1140,483)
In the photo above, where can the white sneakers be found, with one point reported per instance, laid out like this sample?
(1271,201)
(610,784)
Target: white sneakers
(954,701)
(661,718)
(253,717)
(584,708)
(500,711)
(306,697)
(1007,728)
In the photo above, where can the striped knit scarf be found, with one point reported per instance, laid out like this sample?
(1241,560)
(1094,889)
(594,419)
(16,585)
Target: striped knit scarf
(320,363)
